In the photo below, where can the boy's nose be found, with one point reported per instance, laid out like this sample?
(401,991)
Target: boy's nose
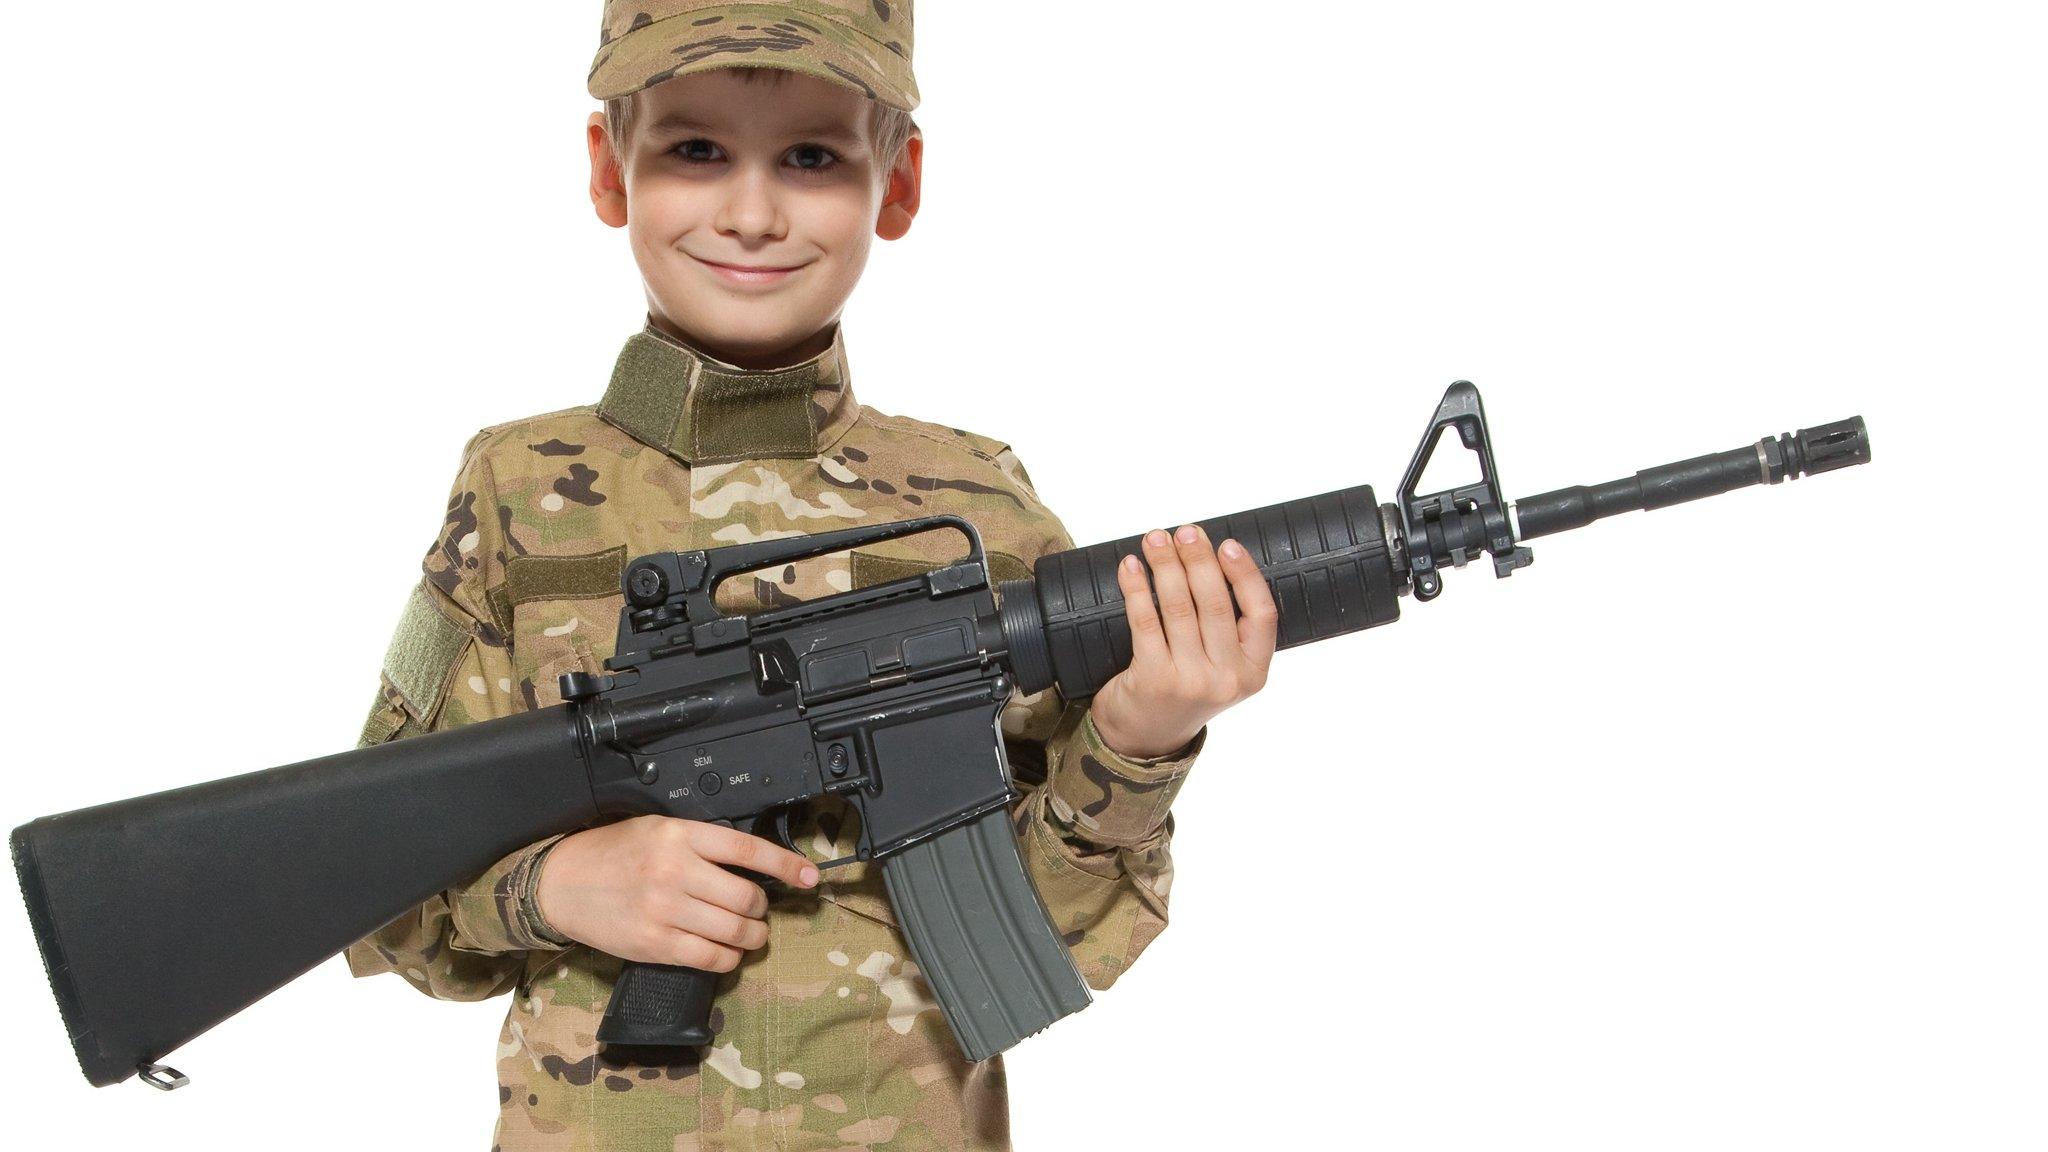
(751,210)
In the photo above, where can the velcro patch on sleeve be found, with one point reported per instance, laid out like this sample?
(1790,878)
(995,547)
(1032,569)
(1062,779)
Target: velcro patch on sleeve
(423,654)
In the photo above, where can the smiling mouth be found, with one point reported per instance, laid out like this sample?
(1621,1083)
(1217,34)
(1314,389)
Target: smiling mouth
(749,273)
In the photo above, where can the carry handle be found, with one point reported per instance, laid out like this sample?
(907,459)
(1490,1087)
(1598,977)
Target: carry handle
(699,573)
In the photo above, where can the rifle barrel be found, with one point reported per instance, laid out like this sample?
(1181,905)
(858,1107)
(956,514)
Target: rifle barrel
(1806,452)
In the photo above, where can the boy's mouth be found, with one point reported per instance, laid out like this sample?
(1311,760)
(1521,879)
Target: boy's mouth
(750,274)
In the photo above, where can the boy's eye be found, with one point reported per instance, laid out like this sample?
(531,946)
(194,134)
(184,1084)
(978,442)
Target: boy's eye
(811,157)
(698,151)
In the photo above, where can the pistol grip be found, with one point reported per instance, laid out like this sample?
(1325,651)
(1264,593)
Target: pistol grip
(662,1007)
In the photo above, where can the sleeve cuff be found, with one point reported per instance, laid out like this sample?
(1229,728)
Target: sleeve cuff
(498,913)
(530,918)
(1114,800)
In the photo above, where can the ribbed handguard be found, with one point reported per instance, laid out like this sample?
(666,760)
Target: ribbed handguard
(1325,558)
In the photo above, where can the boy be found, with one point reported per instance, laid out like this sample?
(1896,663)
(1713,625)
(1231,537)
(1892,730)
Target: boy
(751,151)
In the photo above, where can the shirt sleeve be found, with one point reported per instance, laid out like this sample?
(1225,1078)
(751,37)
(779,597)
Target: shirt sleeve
(1094,826)
(469,942)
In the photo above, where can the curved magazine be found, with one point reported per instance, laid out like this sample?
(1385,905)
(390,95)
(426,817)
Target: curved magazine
(982,936)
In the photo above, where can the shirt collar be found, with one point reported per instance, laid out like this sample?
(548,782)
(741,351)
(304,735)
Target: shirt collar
(705,411)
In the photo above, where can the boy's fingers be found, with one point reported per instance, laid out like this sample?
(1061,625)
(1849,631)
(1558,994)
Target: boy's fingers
(1176,606)
(1211,594)
(727,846)
(721,925)
(733,893)
(1258,628)
(693,951)
(1148,640)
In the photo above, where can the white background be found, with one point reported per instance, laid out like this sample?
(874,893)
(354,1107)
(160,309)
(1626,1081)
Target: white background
(1721,827)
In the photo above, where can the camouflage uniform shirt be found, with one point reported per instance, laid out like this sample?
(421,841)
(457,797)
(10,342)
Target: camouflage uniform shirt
(826,1037)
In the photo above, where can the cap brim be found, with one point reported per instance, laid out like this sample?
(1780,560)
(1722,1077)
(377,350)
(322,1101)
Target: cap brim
(752,36)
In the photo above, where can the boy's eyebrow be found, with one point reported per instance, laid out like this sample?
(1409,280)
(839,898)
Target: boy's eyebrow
(829,131)
(678,122)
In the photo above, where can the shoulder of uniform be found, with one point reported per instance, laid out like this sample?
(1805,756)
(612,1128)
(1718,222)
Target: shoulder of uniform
(509,473)
(534,432)
(955,446)
(959,439)
(937,467)
(543,447)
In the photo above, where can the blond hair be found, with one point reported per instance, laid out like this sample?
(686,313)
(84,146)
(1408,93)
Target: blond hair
(889,129)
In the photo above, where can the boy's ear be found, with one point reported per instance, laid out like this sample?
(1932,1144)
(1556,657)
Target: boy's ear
(906,185)
(607,177)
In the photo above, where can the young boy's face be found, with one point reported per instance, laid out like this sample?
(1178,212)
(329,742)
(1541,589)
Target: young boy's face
(750,205)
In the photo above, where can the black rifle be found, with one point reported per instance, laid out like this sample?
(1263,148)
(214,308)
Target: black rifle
(161,916)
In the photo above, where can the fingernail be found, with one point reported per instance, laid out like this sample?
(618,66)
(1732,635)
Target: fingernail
(1156,538)
(1231,550)
(1131,565)
(809,875)
(1187,534)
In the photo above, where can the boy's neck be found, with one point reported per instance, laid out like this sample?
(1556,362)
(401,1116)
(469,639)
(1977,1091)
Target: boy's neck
(808,349)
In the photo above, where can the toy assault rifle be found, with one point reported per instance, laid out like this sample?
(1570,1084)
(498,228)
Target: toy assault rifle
(161,916)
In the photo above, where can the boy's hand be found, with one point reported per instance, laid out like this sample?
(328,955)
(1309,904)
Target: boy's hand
(1200,658)
(651,889)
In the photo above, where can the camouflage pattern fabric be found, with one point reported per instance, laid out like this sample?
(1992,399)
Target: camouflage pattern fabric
(863,44)
(827,1037)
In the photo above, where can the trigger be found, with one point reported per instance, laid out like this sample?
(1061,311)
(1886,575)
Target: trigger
(775,825)
(783,835)
(779,821)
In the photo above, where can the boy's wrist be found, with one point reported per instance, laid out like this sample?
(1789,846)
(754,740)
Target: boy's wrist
(1139,751)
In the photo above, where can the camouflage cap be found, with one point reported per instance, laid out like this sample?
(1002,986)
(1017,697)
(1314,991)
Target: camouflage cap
(863,44)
